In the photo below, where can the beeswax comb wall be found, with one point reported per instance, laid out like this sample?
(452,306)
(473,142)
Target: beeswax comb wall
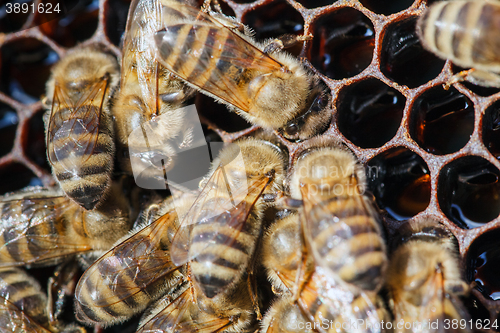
(429,151)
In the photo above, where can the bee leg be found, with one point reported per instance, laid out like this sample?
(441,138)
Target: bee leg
(252,287)
(251,280)
(284,41)
(459,77)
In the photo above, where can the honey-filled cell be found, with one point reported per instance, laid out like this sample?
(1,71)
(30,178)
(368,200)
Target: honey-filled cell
(442,121)
(469,191)
(483,264)
(343,43)
(400,181)
(24,68)
(369,113)
(403,58)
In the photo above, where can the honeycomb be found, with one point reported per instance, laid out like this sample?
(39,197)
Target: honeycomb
(429,152)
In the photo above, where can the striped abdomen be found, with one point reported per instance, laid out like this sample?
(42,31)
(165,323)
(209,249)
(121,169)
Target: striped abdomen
(20,289)
(113,280)
(81,151)
(467,32)
(349,240)
(29,228)
(203,53)
(220,263)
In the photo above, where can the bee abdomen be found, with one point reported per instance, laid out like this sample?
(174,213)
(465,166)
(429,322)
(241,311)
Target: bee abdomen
(88,183)
(24,292)
(353,248)
(460,30)
(219,265)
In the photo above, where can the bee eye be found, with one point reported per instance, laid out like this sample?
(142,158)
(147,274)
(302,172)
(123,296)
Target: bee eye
(318,104)
(292,129)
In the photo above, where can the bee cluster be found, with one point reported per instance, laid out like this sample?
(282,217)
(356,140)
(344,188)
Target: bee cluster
(374,97)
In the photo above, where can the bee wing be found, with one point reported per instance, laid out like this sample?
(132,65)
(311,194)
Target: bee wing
(12,319)
(183,315)
(188,49)
(33,231)
(342,303)
(221,202)
(436,305)
(129,267)
(332,229)
(73,127)
(138,61)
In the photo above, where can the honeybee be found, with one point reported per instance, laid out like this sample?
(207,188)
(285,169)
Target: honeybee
(23,305)
(218,235)
(340,225)
(41,227)
(424,279)
(178,313)
(216,55)
(464,32)
(136,271)
(79,126)
(311,300)
(147,91)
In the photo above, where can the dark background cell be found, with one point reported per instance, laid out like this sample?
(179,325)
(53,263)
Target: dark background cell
(386,7)
(442,121)
(24,69)
(343,43)
(491,129)
(403,58)
(78,25)
(8,126)
(263,21)
(483,264)
(369,113)
(16,176)
(469,191)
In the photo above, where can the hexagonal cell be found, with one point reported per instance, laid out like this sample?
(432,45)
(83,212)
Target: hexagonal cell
(386,7)
(35,144)
(8,127)
(403,59)
(16,176)
(491,129)
(343,43)
(76,26)
(11,22)
(116,19)
(276,19)
(442,121)
(369,113)
(219,115)
(24,69)
(483,264)
(469,191)
(400,181)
